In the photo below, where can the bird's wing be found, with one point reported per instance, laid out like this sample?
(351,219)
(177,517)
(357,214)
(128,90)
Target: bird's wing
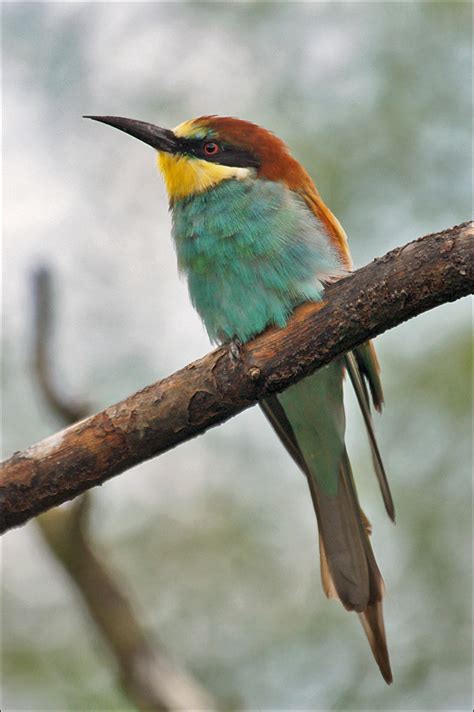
(362,365)
(357,379)
(370,369)
(334,229)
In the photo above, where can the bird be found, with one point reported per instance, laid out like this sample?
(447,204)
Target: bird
(255,240)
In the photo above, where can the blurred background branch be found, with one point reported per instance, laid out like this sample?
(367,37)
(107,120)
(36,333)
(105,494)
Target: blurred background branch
(65,409)
(148,676)
(404,283)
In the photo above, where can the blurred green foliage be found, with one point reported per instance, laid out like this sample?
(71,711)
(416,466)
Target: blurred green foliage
(216,541)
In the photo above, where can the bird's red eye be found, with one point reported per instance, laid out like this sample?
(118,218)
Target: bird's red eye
(211,148)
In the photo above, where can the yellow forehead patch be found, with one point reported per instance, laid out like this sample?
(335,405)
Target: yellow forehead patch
(186,175)
(189,129)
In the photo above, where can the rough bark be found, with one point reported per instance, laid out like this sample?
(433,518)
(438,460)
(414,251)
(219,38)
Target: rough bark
(404,283)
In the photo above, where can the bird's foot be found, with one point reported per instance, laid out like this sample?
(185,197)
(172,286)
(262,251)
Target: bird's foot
(235,350)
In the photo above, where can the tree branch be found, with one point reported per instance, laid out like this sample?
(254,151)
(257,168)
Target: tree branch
(149,677)
(405,282)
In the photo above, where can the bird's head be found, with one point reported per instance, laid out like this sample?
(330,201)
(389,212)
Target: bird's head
(200,153)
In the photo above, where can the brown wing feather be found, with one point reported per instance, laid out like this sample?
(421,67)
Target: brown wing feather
(370,369)
(363,399)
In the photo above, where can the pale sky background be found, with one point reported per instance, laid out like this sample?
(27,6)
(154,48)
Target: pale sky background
(216,540)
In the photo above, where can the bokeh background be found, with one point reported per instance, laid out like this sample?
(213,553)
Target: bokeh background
(215,542)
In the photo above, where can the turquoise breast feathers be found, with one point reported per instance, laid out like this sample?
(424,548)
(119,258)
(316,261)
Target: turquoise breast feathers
(251,251)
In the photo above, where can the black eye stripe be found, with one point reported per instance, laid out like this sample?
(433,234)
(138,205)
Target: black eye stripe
(227,155)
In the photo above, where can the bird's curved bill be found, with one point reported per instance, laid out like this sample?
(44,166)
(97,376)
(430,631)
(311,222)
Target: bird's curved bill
(158,138)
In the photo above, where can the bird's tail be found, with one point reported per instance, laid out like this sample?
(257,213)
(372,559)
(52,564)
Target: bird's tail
(309,418)
(349,572)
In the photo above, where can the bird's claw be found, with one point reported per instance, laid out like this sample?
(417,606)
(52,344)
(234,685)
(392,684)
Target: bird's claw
(235,350)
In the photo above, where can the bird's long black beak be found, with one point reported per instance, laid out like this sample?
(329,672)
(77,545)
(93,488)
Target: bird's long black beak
(158,138)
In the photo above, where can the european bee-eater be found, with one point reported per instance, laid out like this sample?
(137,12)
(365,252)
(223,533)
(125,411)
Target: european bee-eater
(255,240)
